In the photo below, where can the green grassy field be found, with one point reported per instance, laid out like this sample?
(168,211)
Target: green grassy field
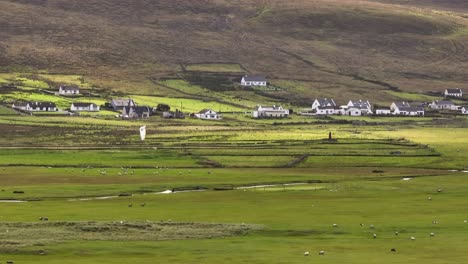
(238,190)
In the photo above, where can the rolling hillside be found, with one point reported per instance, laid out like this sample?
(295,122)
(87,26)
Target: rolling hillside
(336,47)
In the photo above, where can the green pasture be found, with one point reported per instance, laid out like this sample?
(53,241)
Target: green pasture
(78,80)
(292,221)
(395,175)
(7,111)
(61,102)
(186,104)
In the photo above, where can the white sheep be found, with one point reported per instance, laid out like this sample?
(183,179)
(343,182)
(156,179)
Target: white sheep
(306,253)
(412,238)
(335,225)
(432,234)
(322,252)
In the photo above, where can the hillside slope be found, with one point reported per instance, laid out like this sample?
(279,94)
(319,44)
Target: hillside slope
(357,46)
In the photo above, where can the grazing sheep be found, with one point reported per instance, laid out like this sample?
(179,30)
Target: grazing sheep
(143,204)
(374,235)
(393,250)
(322,252)
(335,225)
(371,227)
(396,233)
(431,234)
(412,238)
(435,222)
(306,253)
(429,198)
(440,190)
(361,224)
(466,221)
(41,252)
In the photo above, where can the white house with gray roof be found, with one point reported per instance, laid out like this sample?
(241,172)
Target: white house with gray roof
(270,112)
(253,80)
(443,104)
(404,108)
(69,90)
(85,107)
(208,114)
(120,103)
(325,106)
(453,92)
(36,106)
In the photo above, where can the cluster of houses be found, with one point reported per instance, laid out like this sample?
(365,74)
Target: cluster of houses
(324,106)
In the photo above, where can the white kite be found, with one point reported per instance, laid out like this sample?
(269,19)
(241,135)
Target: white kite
(143,132)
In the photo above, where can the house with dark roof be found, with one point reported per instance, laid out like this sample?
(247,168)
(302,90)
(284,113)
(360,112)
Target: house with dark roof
(443,104)
(416,110)
(42,107)
(274,111)
(323,102)
(120,103)
(86,107)
(396,105)
(208,114)
(136,112)
(36,106)
(325,106)
(253,80)
(69,90)
(358,107)
(453,92)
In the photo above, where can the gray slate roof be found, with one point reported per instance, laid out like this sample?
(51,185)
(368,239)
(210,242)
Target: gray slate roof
(255,78)
(41,104)
(326,102)
(83,104)
(361,104)
(454,90)
(444,102)
(123,102)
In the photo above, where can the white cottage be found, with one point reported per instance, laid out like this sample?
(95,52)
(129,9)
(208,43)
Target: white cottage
(409,111)
(36,106)
(326,106)
(69,90)
(454,92)
(396,105)
(443,104)
(364,106)
(86,107)
(253,80)
(208,114)
(270,112)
